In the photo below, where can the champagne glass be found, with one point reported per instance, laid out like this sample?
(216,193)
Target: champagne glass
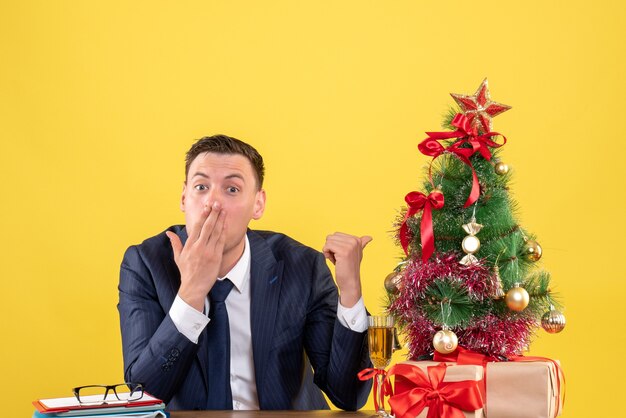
(380,342)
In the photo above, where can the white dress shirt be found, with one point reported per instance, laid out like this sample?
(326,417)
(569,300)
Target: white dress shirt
(191,322)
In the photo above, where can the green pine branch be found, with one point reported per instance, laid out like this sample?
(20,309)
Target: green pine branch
(448,303)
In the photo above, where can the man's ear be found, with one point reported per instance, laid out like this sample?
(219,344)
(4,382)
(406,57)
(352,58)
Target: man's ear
(259,205)
(182,197)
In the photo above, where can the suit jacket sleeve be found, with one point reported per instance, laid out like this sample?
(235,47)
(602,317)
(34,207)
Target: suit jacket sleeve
(336,352)
(155,353)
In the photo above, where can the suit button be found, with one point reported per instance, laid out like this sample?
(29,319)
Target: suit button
(175,352)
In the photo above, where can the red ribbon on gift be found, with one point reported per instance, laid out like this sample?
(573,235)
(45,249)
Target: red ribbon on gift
(418,201)
(464,356)
(466,135)
(372,373)
(443,399)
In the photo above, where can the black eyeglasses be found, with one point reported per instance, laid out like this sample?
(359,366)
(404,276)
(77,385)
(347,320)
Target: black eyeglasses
(108,394)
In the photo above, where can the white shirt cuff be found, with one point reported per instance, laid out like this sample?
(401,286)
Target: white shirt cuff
(188,321)
(354,318)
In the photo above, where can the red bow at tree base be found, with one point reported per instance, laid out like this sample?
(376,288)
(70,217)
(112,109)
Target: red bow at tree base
(443,399)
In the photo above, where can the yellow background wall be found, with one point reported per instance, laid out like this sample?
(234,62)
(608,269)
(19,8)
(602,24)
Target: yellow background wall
(99,100)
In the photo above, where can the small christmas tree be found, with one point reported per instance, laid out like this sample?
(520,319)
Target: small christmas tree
(470,275)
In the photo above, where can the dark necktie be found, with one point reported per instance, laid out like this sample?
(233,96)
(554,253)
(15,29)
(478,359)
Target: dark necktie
(218,339)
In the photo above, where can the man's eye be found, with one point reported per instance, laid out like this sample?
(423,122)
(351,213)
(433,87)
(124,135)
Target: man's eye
(200,187)
(233,189)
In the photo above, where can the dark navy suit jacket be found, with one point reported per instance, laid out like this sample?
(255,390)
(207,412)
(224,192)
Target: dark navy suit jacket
(293,321)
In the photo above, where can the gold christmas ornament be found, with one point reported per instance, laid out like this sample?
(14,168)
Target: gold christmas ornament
(553,321)
(445,341)
(499,293)
(470,244)
(501,168)
(532,250)
(517,298)
(392,281)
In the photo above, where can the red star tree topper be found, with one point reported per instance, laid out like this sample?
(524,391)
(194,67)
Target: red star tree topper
(479,108)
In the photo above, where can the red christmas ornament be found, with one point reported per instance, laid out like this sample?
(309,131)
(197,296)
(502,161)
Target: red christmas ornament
(479,108)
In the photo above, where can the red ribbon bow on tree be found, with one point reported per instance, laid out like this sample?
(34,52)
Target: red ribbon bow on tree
(467,135)
(416,202)
(443,399)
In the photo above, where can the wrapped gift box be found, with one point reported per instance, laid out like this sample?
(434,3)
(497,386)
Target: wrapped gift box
(523,389)
(454,373)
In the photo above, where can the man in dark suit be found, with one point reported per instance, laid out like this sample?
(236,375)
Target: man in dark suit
(216,316)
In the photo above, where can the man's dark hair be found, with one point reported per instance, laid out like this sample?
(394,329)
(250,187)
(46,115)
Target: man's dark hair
(222,144)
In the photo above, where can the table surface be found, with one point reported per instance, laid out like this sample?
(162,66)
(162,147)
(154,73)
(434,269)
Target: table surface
(266,414)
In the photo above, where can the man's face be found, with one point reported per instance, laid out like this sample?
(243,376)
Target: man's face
(230,180)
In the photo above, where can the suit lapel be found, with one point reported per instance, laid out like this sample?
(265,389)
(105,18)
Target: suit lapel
(265,281)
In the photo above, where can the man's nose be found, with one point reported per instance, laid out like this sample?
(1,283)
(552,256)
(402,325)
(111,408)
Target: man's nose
(212,197)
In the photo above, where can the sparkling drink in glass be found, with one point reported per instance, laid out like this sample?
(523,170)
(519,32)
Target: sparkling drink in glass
(380,342)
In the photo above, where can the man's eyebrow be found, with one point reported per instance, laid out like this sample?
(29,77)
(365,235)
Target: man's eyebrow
(235,175)
(198,173)
(230,176)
